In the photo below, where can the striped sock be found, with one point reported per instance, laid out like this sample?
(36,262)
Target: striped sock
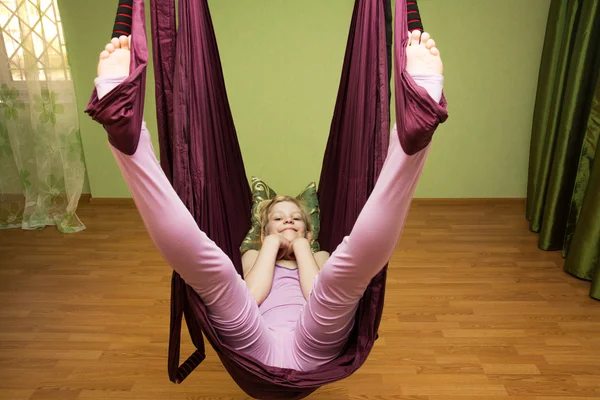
(414,18)
(123,20)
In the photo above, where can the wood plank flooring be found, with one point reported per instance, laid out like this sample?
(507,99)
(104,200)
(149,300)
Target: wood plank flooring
(474,311)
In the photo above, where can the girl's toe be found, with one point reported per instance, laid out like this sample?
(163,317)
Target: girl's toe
(124,41)
(415,38)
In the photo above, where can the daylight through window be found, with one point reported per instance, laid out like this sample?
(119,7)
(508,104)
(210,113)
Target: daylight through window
(33,40)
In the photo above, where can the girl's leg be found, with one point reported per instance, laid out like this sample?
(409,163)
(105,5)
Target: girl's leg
(200,262)
(328,316)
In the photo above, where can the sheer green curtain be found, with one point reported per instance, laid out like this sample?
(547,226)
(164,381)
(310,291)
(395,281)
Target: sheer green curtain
(41,158)
(563,194)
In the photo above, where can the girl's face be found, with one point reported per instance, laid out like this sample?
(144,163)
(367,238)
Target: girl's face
(285,219)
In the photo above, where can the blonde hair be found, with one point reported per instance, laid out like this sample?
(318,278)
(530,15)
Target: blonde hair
(264,209)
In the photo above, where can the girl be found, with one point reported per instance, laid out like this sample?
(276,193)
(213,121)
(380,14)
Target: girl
(294,309)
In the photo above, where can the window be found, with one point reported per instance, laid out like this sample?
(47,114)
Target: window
(32,40)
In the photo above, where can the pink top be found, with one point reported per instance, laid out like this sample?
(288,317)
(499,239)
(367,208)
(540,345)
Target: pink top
(281,308)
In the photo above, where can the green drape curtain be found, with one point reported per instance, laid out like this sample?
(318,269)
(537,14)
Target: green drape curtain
(563,193)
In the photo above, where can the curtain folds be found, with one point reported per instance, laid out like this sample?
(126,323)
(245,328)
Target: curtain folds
(562,193)
(41,155)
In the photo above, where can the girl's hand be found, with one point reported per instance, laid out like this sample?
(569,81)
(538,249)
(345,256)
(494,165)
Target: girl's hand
(294,246)
(283,243)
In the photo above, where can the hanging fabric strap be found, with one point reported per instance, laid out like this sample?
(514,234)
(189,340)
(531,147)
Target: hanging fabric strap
(124,19)
(179,307)
(359,133)
(200,153)
(413,16)
(164,47)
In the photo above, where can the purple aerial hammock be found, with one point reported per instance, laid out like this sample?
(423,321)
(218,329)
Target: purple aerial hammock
(354,156)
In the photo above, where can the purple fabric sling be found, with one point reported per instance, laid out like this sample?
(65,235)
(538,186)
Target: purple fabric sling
(201,156)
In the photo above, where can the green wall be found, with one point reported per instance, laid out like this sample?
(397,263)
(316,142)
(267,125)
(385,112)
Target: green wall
(282,63)
(87,30)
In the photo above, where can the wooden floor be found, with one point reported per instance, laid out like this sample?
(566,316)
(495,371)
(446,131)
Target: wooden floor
(474,311)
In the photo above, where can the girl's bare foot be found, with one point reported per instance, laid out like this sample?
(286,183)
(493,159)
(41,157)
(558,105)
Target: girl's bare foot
(422,57)
(114,60)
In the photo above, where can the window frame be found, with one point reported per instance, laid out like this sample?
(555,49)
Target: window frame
(62,85)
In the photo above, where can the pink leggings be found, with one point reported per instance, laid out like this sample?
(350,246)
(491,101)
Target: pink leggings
(325,322)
